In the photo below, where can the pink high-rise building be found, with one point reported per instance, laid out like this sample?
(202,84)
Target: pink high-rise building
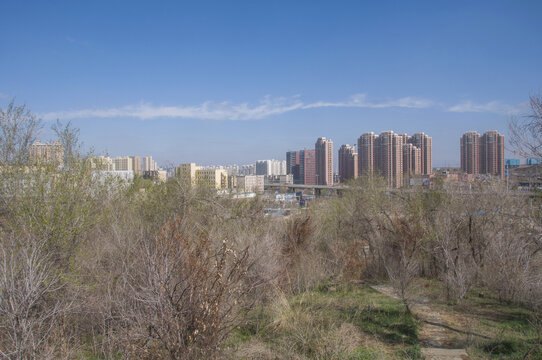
(470,152)
(492,153)
(348,163)
(366,156)
(482,154)
(324,161)
(394,156)
(412,161)
(307,166)
(389,158)
(424,143)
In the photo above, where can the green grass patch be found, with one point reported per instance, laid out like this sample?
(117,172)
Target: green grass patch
(331,322)
(506,348)
(496,330)
(509,328)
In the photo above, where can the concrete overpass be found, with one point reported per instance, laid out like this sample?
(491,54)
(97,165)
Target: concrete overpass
(338,189)
(300,187)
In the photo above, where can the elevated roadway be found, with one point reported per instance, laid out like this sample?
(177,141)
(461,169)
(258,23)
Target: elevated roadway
(300,187)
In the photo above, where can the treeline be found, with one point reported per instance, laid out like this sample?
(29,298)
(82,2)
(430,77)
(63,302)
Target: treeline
(485,236)
(94,268)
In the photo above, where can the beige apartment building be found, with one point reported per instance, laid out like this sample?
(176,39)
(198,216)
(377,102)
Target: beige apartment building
(47,153)
(123,163)
(149,164)
(104,163)
(251,183)
(212,178)
(136,165)
(194,175)
(187,173)
(120,163)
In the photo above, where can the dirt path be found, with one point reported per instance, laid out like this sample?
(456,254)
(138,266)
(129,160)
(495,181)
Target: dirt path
(435,336)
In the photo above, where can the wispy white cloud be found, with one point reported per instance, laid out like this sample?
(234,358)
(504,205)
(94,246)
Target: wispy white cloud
(206,111)
(268,106)
(361,101)
(3,96)
(496,107)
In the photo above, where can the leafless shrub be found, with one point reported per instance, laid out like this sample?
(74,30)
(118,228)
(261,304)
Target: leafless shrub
(347,229)
(399,249)
(266,263)
(185,296)
(451,251)
(300,261)
(31,299)
(355,257)
(508,270)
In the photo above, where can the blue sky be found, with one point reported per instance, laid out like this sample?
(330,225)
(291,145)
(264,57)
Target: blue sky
(218,82)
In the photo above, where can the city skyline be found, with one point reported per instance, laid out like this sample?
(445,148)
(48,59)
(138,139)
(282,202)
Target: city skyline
(233,83)
(416,149)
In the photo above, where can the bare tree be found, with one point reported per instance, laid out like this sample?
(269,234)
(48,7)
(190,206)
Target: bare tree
(18,130)
(69,138)
(526,131)
(348,229)
(512,260)
(457,268)
(31,301)
(399,247)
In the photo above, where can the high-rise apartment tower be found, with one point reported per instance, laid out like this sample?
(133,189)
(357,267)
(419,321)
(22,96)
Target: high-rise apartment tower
(307,167)
(348,163)
(482,154)
(389,157)
(394,156)
(366,156)
(412,160)
(424,143)
(136,164)
(470,152)
(492,154)
(324,161)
